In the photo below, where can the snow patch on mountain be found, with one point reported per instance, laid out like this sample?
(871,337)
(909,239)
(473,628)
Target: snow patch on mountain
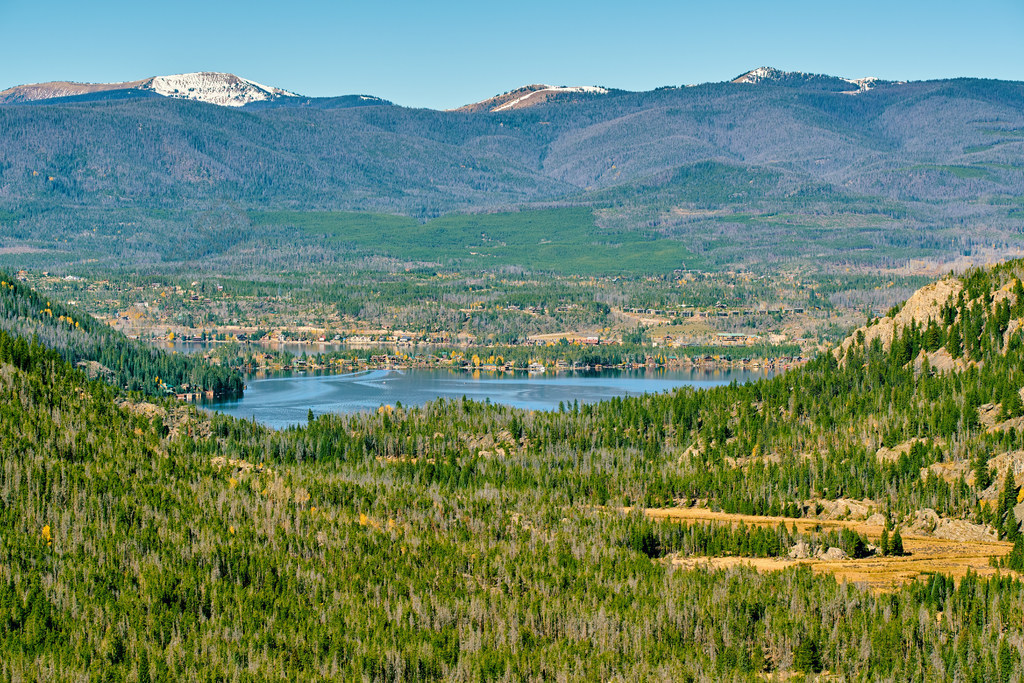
(863,84)
(768,74)
(207,86)
(545,90)
(223,89)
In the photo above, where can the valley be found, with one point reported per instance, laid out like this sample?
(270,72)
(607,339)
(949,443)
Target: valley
(707,382)
(868,483)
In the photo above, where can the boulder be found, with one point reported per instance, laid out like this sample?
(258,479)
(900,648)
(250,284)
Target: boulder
(833,555)
(800,551)
(928,523)
(925,522)
(962,530)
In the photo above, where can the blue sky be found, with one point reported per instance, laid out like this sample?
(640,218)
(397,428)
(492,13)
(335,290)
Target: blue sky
(443,54)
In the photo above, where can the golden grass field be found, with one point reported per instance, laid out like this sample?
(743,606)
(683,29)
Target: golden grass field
(927,555)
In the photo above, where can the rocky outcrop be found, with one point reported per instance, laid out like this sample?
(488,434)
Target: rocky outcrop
(877,519)
(800,551)
(1013,462)
(927,522)
(95,370)
(833,555)
(845,508)
(926,304)
(893,454)
(941,362)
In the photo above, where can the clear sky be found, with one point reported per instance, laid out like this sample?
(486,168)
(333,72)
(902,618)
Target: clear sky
(432,53)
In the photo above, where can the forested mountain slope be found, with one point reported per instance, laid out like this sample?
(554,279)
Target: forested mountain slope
(923,158)
(469,541)
(911,133)
(83,340)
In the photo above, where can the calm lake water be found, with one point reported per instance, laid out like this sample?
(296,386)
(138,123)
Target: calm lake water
(282,401)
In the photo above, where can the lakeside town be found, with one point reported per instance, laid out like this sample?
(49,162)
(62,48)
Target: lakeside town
(720,310)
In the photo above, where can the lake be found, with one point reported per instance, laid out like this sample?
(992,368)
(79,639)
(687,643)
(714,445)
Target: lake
(282,401)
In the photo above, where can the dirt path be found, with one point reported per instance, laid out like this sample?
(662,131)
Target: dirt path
(927,555)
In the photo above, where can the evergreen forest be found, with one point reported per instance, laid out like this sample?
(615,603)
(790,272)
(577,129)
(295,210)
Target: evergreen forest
(142,539)
(82,340)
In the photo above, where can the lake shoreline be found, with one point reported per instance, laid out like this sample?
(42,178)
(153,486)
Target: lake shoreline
(286,399)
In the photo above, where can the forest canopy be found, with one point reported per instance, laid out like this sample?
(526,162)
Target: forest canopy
(142,539)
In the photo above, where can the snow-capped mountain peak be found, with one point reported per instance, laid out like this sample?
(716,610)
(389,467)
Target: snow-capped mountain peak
(768,74)
(207,86)
(761,73)
(216,88)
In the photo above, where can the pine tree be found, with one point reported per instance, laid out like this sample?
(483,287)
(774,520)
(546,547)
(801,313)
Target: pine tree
(1018,294)
(807,657)
(1011,403)
(1012,527)
(884,542)
(953,344)
(982,474)
(897,543)
(1006,521)
(143,665)
(1015,560)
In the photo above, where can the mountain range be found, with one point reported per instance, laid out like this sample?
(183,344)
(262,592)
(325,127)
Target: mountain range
(215,88)
(234,91)
(769,163)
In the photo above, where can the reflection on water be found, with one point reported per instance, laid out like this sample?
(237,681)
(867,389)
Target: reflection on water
(283,401)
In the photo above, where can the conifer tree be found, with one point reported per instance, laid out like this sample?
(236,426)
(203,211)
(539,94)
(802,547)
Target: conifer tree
(1007,522)
(807,657)
(982,474)
(1011,403)
(953,344)
(897,543)
(1015,560)
(1018,295)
